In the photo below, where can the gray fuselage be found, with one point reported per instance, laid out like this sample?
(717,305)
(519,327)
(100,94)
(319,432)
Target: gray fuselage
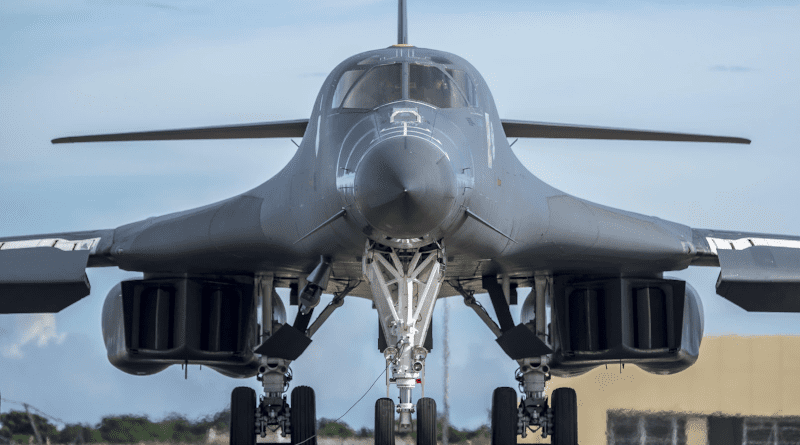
(408,142)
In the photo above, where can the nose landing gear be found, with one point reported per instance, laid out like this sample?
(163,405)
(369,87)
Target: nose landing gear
(405,285)
(385,425)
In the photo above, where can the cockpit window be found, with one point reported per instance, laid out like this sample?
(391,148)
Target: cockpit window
(382,84)
(345,83)
(370,60)
(430,84)
(367,88)
(464,83)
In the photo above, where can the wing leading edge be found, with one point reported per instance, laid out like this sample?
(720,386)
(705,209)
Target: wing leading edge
(527,129)
(297,128)
(277,129)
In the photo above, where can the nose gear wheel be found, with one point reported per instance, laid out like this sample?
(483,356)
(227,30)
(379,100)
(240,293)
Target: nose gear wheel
(426,421)
(384,422)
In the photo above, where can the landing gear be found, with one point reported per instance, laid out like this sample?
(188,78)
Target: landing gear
(565,417)
(243,416)
(559,419)
(280,344)
(504,416)
(528,343)
(405,284)
(426,421)
(304,416)
(384,422)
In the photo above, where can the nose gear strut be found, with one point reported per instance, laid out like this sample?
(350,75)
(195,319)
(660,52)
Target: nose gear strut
(405,284)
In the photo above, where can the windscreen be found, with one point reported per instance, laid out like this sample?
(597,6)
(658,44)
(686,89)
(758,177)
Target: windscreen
(464,83)
(382,84)
(431,85)
(346,82)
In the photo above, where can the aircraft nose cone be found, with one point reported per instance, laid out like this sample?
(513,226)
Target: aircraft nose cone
(405,187)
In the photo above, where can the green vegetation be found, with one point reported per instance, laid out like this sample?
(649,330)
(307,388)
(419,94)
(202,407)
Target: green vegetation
(174,428)
(18,423)
(331,428)
(114,429)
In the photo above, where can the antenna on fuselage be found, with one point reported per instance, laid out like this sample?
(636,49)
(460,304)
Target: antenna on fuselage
(402,23)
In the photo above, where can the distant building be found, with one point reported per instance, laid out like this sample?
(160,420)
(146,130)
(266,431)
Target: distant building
(741,391)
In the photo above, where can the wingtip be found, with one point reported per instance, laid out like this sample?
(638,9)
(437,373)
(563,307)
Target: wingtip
(742,141)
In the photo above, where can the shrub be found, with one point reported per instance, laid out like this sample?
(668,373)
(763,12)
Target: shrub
(330,428)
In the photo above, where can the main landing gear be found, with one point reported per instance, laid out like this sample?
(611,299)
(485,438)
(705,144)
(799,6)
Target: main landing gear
(405,284)
(560,421)
(281,343)
(300,420)
(297,419)
(557,417)
(528,344)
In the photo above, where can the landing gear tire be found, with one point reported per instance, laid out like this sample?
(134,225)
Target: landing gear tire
(426,421)
(504,416)
(243,416)
(565,416)
(384,422)
(303,416)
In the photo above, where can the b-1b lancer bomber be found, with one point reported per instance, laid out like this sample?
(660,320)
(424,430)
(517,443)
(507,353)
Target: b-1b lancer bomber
(404,190)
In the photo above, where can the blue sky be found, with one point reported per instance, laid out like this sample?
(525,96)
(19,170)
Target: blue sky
(96,66)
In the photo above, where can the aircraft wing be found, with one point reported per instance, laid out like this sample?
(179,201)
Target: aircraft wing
(46,273)
(758,272)
(527,129)
(277,129)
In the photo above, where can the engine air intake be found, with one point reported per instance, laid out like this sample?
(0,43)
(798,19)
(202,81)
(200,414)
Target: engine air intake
(151,324)
(653,323)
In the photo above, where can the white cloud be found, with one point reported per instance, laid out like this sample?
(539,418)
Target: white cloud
(38,328)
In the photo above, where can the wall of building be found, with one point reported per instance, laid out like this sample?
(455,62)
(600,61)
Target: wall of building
(734,376)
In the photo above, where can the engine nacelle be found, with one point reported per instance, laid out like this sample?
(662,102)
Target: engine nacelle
(151,324)
(655,324)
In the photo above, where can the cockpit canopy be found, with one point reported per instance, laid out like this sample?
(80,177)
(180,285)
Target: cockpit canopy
(372,86)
